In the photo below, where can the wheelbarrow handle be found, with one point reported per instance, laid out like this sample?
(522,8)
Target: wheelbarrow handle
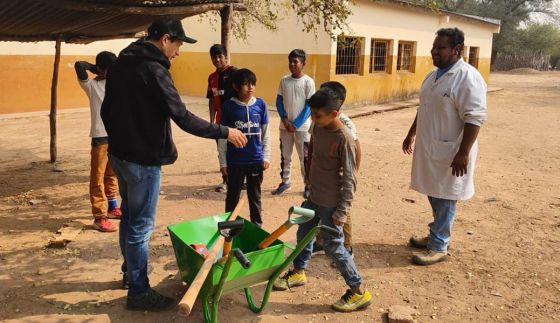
(245,263)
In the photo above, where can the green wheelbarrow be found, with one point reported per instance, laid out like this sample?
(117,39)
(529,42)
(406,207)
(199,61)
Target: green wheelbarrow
(265,264)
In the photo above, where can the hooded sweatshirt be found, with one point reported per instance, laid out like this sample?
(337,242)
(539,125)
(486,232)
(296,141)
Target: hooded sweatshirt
(140,100)
(252,119)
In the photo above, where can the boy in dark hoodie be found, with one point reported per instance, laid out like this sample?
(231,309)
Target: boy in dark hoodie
(249,115)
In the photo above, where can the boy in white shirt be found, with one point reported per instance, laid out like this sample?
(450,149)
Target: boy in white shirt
(103,185)
(291,102)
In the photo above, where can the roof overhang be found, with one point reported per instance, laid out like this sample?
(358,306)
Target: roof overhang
(84,21)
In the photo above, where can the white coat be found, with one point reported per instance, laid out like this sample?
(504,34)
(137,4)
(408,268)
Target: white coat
(446,104)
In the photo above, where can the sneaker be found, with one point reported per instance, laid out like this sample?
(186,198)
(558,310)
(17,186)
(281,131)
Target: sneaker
(283,187)
(125,283)
(429,257)
(115,213)
(150,301)
(351,301)
(222,188)
(289,280)
(417,242)
(350,251)
(306,192)
(104,225)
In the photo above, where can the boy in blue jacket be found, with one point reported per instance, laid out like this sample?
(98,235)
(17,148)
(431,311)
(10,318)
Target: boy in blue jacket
(249,115)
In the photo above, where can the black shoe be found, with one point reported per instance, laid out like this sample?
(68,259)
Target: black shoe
(125,277)
(124,280)
(151,301)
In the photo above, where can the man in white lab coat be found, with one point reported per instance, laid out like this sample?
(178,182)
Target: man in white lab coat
(444,136)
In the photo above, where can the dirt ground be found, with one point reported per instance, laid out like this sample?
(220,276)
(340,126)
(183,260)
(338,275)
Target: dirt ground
(504,263)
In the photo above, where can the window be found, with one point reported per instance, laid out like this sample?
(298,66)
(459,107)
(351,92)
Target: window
(348,50)
(379,56)
(405,56)
(473,56)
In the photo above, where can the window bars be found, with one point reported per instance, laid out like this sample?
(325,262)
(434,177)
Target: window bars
(379,56)
(404,58)
(348,50)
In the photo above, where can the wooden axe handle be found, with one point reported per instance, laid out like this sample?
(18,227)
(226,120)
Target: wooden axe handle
(227,249)
(274,235)
(187,302)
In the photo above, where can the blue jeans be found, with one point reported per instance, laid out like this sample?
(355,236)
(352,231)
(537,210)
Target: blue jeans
(139,190)
(333,246)
(440,229)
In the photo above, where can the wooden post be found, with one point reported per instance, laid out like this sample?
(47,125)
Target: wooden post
(54,86)
(226,15)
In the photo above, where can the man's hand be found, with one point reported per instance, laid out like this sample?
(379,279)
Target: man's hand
(237,138)
(407,145)
(289,125)
(223,170)
(459,164)
(266,164)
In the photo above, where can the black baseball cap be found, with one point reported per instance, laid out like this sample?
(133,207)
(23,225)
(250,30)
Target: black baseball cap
(171,26)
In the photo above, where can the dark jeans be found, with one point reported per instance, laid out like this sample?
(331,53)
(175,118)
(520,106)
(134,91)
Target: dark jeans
(139,190)
(236,177)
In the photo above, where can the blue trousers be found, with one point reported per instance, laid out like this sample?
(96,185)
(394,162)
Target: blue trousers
(139,190)
(440,229)
(333,246)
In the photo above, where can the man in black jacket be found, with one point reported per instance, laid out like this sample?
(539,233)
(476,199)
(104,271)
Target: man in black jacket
(140,101)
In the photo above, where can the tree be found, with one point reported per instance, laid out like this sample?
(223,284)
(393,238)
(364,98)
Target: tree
(315,15)
(511,13)
(535,38)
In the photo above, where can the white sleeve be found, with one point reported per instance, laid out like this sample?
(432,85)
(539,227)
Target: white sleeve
(222,152)
(280,92)
(266,142)
(310,87)
(86,85)
(470,98)
(350,125)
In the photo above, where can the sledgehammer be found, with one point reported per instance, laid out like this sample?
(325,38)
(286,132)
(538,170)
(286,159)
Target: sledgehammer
(228,230)
(304,216)
(187,302)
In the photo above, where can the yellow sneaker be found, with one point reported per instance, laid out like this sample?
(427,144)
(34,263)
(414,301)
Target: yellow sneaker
(289,280)
(351,301)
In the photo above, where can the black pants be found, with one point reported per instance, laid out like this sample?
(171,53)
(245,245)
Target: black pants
(236,177)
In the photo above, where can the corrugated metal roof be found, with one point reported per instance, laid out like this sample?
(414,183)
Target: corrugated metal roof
(88,20)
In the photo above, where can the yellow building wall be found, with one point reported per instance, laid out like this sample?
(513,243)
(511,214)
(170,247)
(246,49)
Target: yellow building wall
(26,83)
(26,68)
(26,72)
(265,52)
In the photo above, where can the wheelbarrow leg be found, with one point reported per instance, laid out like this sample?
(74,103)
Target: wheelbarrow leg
(206,310)
(299,248)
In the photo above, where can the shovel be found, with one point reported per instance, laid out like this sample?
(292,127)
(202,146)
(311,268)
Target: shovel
(304,215)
